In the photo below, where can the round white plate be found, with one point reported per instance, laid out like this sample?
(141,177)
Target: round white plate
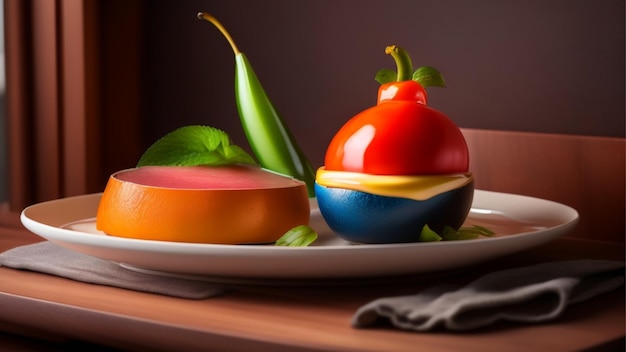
(520,222)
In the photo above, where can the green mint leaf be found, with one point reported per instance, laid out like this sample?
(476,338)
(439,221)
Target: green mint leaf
(465,233)
(428,235)
(482,231)
(428,77)
(386,75)
(299,236)
(459,236)
(192,146)
(450,234)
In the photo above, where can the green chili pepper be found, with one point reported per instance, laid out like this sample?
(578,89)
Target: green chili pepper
(268,135)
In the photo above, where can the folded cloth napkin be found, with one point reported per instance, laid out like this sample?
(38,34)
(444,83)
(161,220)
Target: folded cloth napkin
(530,294)
(47,257)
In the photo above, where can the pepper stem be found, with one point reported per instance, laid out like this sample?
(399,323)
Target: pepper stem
(403,62)
(205,16)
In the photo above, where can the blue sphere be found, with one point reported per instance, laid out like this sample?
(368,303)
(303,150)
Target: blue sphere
(363,217)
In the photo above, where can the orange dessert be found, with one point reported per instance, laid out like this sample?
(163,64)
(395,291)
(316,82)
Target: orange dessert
(232,204)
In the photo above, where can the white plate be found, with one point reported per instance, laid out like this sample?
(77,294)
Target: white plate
(520,222)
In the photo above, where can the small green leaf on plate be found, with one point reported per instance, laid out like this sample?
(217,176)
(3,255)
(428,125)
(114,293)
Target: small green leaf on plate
(386,75)
(428,77)
(299,236)
(482,231)
(465,233)
(450,234)
(192,146)
(428,235)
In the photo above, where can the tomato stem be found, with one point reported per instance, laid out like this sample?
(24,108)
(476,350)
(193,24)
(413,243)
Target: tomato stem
(205,16)
(403,62)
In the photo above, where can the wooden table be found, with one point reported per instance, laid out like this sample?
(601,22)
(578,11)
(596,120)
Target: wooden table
(42,312)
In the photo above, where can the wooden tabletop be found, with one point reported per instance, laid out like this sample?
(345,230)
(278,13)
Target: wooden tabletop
(61,312)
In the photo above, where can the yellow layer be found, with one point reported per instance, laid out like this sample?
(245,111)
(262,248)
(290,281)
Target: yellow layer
(412,187)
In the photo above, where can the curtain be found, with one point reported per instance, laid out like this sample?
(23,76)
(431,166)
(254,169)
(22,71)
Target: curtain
(72,79)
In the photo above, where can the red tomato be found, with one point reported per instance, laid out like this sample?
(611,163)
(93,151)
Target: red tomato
(399,136)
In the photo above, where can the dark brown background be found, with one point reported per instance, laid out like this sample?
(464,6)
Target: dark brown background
(552,66)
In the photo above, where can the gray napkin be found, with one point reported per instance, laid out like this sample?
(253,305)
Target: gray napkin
(530,294)
(47,257)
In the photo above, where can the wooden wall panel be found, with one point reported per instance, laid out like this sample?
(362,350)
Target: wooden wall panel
(586,173)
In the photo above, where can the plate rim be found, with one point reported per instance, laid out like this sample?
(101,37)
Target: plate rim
(72,239)
(25,219)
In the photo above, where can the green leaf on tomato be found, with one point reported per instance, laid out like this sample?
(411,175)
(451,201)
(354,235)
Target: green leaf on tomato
(193,146)
(429,77)
(386,75)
